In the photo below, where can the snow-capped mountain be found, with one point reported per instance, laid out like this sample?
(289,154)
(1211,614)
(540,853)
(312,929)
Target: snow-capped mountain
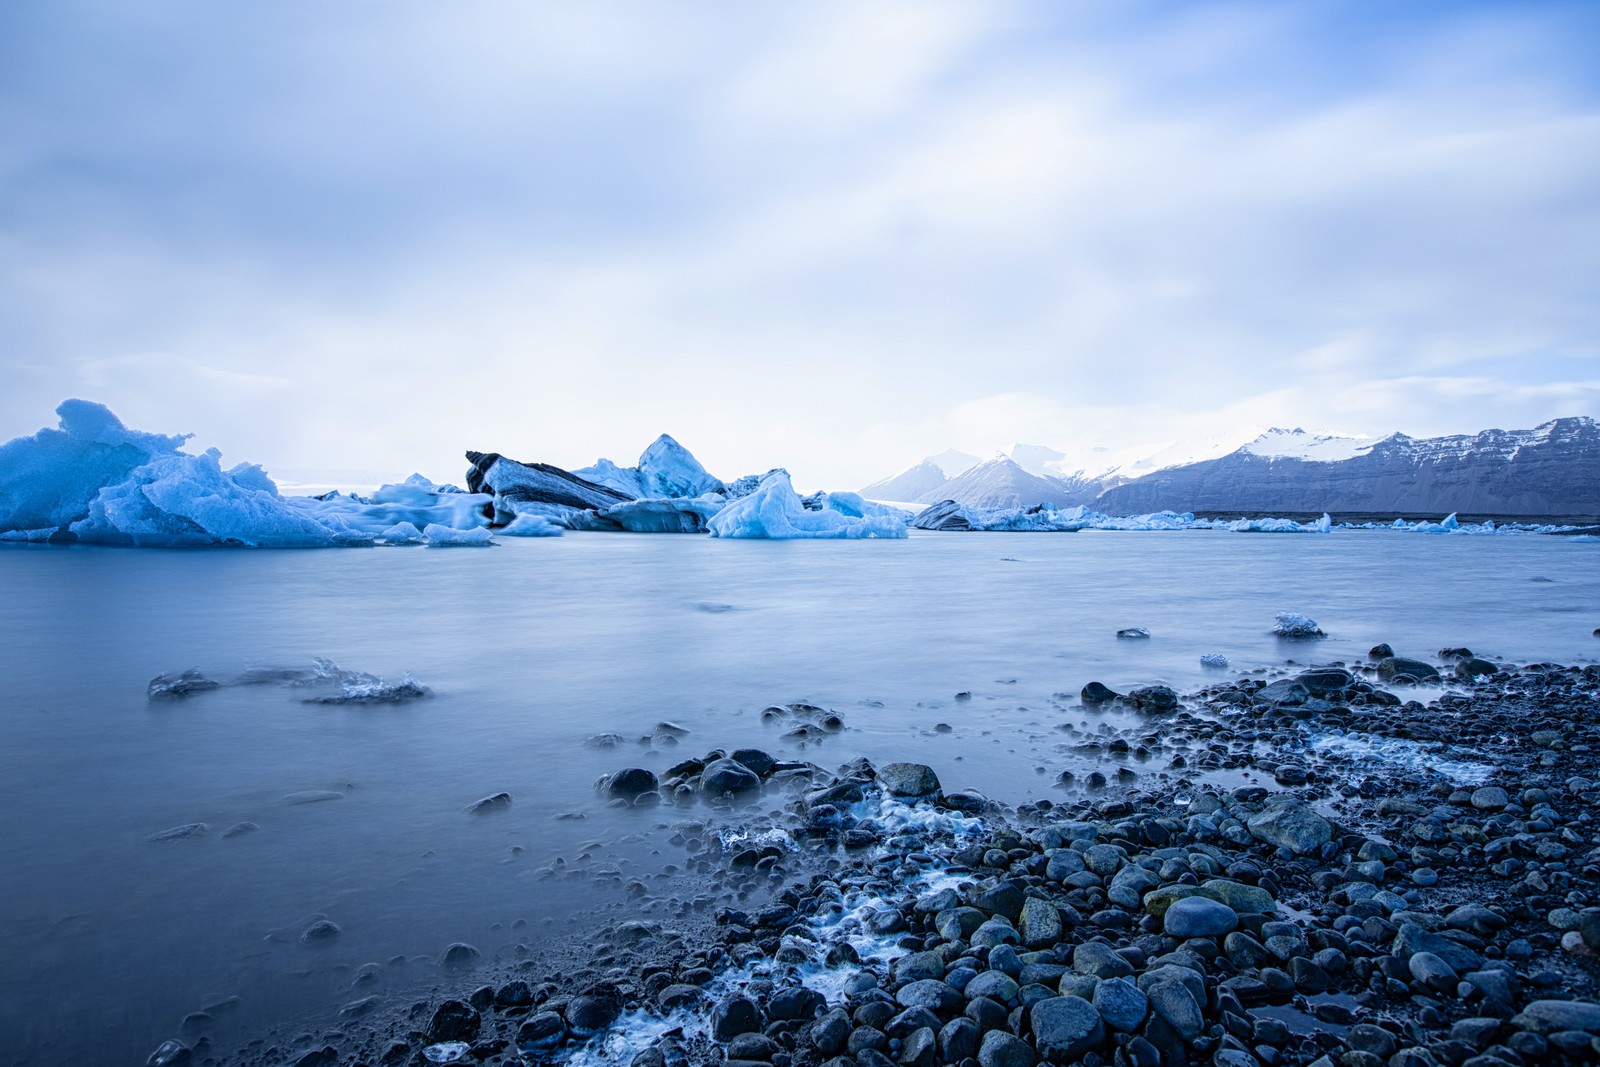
(1553,469)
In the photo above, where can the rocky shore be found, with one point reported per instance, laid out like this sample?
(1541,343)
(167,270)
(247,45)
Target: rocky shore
(1310,868)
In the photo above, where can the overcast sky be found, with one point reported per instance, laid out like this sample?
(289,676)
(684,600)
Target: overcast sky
(351,239)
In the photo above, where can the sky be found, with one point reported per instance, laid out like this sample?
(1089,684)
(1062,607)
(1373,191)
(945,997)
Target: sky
(351,240)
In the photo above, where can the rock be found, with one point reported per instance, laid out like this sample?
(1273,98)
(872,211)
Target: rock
(1040,925)
(1121,1004)
(1285,692)
(795,1004)
(958,1040)
(1552,1016)
(829,1033)
(1411,939)
(908,780)
(1153,698)
(996,985)
(1101,960)
(1133,633)
(459,955)
(1473,667)
(755,759)
(1095,693)
(497,802)
(1000,1049)
(630,782)
(727,777)
(920,1049)
(1176,1006)
(1394,667)
(1490,798)
(589,1012)
(1243,899)
(1199,917)
(1433,973)
(1380,651)
(734,1016)
(1324,681)
(1064,1028)
(938,997)
(454,1020)
(321,932)
(1288,823)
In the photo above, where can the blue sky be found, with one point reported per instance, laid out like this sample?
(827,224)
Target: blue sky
(361,237)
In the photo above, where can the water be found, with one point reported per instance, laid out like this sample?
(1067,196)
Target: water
(532,647)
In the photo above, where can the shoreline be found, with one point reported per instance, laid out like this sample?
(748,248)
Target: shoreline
(1374,901)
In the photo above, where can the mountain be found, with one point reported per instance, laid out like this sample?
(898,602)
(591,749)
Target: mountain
(908,486)
(1002,483)
(1552,469)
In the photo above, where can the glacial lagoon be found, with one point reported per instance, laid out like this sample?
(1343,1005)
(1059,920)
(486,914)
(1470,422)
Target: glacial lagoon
(530,649)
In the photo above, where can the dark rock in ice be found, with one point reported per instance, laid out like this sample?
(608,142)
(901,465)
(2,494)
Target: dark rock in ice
(312,796)
(1133,633)
(1095,693)
(630,783)
(178,686)
(604,741)
(728,777)
(908,780)
(179,833)
(535,483)
(497,802)
(945,515)
(321,932)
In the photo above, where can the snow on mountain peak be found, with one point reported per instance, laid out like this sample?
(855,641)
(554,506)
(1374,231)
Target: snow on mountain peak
(1278,443)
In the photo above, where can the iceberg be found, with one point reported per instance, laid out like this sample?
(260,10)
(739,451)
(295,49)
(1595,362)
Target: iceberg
(775,511)
(656,515)
(531,526)
(93,480)
(440,536)
(666,470)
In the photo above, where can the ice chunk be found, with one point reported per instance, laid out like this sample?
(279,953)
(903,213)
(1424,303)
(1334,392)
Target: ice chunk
(178,686)
(531,526)
(684,515)
(775,511)
(401,533)
(1214,660)
(666,470)
(1289,624)
(439,536)
(374,691)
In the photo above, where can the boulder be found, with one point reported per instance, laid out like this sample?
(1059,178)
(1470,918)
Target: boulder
(1064,1028)
(908,780)
(1288,823)
(728,777)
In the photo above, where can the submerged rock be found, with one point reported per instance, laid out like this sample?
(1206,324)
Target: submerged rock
(178,686)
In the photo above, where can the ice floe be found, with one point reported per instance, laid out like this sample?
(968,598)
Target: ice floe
(775,511)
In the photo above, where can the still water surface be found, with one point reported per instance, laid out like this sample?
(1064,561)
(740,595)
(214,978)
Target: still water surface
(534,646)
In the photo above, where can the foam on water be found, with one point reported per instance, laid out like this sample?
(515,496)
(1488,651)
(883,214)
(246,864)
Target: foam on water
(1403,754)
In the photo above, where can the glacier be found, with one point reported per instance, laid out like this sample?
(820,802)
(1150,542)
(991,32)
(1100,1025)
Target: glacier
(775,511)
(95,481)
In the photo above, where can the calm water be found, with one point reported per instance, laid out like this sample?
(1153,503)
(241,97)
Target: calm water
(530,648)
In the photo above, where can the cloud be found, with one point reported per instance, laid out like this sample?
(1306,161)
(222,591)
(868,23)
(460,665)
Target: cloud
(836,238)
